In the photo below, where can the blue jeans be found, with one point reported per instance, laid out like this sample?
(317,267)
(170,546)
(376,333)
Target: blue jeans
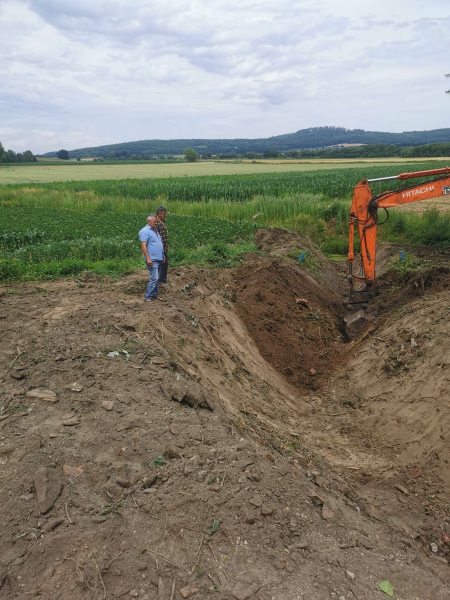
(152,287)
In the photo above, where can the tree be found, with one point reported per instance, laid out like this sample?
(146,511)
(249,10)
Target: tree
(2,152)
(28,156)
(272,153)
(190,155)
(63,155)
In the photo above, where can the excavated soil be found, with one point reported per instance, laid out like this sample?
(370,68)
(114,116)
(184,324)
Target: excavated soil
(226,441)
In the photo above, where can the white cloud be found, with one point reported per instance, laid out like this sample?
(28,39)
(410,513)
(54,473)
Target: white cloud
(88,73)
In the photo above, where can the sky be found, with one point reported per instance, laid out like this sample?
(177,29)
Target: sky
(91,72)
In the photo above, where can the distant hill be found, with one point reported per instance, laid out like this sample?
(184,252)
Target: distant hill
(314,137)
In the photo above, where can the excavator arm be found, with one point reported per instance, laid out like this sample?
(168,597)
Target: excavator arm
(364,215)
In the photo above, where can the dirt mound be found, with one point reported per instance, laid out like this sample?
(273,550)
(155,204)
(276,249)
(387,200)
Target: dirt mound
(280,242)
(293,318)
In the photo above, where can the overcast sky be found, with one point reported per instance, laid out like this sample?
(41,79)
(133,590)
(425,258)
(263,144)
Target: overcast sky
(76,73)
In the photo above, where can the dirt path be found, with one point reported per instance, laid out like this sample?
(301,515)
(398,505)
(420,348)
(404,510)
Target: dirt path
(193,460)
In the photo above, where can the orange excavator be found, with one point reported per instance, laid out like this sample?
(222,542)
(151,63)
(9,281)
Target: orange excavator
(364,213)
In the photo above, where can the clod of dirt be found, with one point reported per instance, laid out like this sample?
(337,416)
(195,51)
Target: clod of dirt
(187,392)
(244,589)
(42,394)
(48,488)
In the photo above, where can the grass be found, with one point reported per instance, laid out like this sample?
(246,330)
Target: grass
(14,174)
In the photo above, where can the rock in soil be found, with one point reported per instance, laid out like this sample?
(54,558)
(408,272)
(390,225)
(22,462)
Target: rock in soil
(42,394)
(186,592)
(48,487)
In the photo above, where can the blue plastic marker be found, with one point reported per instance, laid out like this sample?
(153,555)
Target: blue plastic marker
(301,257)
(402,255)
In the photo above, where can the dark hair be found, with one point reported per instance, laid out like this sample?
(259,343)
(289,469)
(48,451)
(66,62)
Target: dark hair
(161,209)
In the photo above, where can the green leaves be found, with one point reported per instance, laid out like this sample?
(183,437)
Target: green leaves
(212,528)
(386,587)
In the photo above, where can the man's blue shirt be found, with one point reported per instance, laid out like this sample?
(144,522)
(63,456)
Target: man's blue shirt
(154,244)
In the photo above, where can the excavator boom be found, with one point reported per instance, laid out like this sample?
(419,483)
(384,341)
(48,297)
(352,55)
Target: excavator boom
(364,215)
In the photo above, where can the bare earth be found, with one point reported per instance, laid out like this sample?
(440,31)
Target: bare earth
(236,447)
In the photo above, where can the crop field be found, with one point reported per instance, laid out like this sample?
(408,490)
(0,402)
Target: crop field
(94,171)
(61,228)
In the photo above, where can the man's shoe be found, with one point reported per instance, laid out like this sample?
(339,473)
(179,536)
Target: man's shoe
(152,299)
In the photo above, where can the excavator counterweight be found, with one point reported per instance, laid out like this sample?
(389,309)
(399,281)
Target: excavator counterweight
(364,215)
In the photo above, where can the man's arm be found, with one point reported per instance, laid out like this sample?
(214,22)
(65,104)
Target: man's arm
(145,252)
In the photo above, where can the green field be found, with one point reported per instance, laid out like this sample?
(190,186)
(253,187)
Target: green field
(59,229)
(93,171)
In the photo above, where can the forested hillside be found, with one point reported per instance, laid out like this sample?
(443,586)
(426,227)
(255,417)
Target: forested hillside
(314,137)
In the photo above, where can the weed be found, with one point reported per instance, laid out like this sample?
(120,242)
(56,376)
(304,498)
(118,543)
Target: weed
(159,461)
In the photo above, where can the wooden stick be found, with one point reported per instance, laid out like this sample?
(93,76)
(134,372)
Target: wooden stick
(197,555)
(101,578)
(67,513)
(217,560)
(163,557)
(173,590)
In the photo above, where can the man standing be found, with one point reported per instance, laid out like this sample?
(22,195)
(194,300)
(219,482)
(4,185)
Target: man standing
(153,251)
(161,213)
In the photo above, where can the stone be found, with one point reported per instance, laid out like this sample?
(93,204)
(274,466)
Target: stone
(51,525)
(256,501)
(27,497)
(72,422)
(350,576)
(175,429)
(266,510)
(312,371)
(190,393)
(48,488)
(215,488)
(434,547)
(134,593)
(99,519)
(42,394)
(328,510)
(415,473)
(18,375)
(108,404)
(270,457)
(72,471)
(243,589)
(402,489)
(188,591)
(74,387)
(301,545)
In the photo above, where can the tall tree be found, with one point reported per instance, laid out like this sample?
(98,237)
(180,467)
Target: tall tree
(28,156)
(63,155)
(2,152)
(190,155)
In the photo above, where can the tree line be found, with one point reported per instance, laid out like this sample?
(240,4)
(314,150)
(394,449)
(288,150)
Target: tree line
(313,137)
(9,156)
